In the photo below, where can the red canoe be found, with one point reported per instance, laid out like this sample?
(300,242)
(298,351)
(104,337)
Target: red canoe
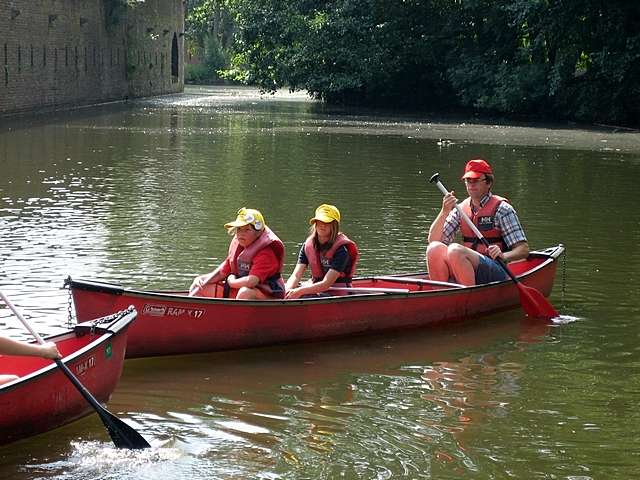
(43,398)
(172,323)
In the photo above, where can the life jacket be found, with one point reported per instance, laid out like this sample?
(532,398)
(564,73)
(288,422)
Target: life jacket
(320,263)
(485,220)
(241,260)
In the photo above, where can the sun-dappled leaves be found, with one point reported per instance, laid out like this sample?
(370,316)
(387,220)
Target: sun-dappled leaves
(563,59)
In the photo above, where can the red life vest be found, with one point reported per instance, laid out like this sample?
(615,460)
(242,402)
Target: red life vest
(485,220)
(241,259)
(320,263)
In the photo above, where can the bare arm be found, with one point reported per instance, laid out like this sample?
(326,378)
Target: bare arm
(519,251)
(9,346)
(329,279)
(248,281)
(206,279)
(435,231)
(296,276)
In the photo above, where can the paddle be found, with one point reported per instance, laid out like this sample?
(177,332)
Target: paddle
(531,299)
(123,435)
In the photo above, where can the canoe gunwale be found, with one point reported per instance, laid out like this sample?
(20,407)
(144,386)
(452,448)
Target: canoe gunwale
(104,334)
(172,323)
(550,255)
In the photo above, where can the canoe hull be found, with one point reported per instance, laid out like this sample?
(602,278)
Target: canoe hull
(43,398)
(172,323)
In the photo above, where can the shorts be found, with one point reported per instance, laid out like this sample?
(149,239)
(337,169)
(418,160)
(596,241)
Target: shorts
(489,271)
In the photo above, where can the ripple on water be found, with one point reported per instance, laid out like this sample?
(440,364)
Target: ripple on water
(138,194)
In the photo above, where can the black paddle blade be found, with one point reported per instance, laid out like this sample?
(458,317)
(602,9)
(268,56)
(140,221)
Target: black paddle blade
(123,435)
(535,304)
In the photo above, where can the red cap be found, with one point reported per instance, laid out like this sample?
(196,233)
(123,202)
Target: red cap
(475,168)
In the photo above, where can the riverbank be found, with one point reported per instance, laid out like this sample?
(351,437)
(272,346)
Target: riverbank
(445,130)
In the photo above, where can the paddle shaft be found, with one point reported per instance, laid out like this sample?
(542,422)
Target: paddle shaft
(122,435)
(473,227)
(85,393)
(35,334)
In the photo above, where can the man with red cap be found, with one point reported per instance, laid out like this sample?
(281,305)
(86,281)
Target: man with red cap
(470,263)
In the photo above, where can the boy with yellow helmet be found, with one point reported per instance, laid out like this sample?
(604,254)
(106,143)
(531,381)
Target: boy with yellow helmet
(253,267)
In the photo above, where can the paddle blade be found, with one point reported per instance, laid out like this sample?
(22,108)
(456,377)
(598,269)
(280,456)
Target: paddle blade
(123,435)
(535,304)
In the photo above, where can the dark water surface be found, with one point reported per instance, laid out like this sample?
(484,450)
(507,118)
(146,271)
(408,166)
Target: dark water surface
(138,193)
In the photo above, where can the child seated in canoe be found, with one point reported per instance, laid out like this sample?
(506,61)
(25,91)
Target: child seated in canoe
(9,346)
(253,267)
(330,254)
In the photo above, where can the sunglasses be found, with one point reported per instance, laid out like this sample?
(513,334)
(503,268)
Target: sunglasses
(473,181)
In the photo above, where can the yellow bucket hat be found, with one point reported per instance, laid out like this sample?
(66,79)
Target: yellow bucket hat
(247,216)
(326,214)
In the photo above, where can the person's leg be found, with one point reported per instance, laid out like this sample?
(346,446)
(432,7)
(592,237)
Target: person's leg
(463,263)
(251,294)
(437,262)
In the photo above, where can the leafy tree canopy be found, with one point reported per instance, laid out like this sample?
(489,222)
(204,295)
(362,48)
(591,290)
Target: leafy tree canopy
(572,59)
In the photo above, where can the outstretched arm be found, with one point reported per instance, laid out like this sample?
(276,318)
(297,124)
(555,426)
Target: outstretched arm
(296,276)
(201,281)
(9,346)
(329,279)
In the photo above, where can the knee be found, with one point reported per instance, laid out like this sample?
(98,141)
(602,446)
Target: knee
(455,251)
(242,294)
(246,294)
(436,250)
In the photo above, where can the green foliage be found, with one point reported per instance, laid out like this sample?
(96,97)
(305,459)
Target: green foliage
(572,59)
(209,26)
(214,55)
(198,73)
(214,59)
(339,50)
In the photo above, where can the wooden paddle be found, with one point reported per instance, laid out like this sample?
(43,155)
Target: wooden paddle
(123,435)
(531,299)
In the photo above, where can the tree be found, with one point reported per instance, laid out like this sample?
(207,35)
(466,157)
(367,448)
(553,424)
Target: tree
(573,59)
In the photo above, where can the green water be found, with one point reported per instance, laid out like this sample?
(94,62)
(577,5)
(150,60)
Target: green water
(138,194)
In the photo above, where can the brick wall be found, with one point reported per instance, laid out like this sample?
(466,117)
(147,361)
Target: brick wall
(56,53)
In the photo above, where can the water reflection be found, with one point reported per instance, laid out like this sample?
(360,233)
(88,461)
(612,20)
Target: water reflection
(308,411)
(138,194)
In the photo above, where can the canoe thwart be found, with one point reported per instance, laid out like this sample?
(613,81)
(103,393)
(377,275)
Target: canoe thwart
(417,281)
(369,290)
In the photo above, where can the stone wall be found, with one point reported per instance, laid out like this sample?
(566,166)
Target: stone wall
(58,53)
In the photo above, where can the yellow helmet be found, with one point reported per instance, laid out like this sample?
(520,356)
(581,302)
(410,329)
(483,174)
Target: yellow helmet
(326,214)
(247,216)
